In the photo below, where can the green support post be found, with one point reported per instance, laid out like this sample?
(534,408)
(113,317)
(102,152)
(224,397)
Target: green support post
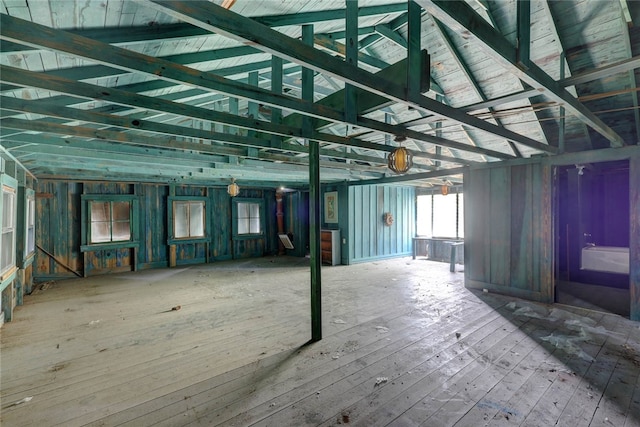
(314,201)
(350,92)
(276,87)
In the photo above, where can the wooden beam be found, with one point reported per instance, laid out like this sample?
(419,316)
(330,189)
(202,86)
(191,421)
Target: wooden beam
(394,25)
(246,30)
(468,74)
(460,17)
(411,177)
(602,72)
(415,65)
(385,31)
(341,49)
(315,196)
(5,152)
(523,16)
(163,142)
(350,101)
(129,35)
(38,35)
(59,84)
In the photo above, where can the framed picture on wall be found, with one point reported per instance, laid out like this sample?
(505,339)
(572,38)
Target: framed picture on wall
(331,207)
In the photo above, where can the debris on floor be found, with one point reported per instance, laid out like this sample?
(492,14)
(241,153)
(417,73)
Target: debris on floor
(176,308)
(339,321)
(381,380)
(382,329)
(566,344)
(20,402)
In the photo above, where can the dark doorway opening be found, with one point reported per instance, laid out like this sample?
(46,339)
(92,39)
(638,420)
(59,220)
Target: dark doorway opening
(592,211)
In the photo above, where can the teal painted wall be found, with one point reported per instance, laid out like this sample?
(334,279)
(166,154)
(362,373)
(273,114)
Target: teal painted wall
(508,230)
(368,238)
(59,228)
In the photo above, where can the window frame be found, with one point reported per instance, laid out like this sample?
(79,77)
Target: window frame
(8,274)
(9,185)
(87,199)
(459,217)
(172,240)
(234,214)
(29,211)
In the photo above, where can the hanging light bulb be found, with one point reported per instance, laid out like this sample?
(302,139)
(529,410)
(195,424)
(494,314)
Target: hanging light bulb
(233,189)
(400,160)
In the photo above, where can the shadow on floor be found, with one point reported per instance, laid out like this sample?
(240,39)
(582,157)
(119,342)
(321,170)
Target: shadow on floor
(597,353)
(594,297)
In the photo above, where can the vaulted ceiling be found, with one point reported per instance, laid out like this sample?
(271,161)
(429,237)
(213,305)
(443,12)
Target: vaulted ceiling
(205,91)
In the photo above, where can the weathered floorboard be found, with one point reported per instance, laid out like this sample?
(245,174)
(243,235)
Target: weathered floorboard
(404,344)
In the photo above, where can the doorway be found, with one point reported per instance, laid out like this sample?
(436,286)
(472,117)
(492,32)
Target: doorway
(592,236)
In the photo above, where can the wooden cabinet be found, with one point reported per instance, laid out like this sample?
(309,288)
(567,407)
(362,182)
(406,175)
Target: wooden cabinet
(330,246)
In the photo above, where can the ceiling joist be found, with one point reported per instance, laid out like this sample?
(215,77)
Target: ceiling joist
(224,22)
(459,16)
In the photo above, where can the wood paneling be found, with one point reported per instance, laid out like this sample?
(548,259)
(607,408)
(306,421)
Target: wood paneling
(476,184)
(153,217)
(220,248)
(508,230)
(58,228)
(58,225)
(368,236)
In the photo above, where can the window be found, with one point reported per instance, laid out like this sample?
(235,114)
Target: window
(440,216)
(7,251)
(444,215)
(188,219)
(110,221)
(424,224)
(31,225)
(248,217)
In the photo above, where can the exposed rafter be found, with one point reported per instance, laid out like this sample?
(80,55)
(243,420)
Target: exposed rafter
(37,35)
(237,27)
(459,16)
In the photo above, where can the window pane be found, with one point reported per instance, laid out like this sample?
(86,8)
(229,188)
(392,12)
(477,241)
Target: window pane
(254,210)
(31,217)
(243,210)
(196,219)
(424,216)
(100,232)
(255,226)
(243,226)
(7,203)
(121,211)
(7,259)
(180,220)
(31,243)
(100,211)
(121,231)
(444,215)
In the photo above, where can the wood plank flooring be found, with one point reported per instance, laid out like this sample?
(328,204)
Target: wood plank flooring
(405,344)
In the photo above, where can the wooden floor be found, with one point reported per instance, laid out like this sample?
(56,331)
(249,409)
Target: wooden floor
(405,344)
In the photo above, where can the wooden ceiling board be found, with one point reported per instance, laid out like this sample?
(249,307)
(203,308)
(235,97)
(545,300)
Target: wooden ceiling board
(596,38)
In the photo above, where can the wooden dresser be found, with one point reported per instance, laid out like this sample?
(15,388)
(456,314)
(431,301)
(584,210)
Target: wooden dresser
(330,246)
